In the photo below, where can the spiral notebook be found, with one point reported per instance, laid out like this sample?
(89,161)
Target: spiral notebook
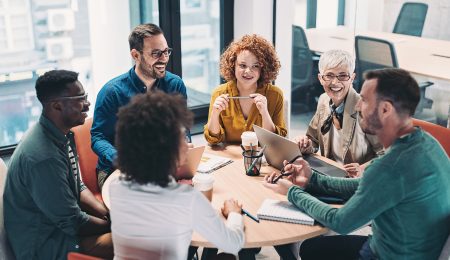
(283,211)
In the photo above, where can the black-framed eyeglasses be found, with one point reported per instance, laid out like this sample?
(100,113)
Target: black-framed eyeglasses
(340,77)
(83,98)
(158,53)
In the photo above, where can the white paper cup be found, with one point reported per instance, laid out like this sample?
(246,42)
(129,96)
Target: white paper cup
(204,183)
(249,140)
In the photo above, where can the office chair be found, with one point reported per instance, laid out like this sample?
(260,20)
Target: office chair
(411,19)
(302,69)
(439,132)
(373,53)
(87,158)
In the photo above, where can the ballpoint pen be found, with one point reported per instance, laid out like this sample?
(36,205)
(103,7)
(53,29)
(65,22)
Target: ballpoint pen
(252,165)
(243,211)
(240,97)
(282,170)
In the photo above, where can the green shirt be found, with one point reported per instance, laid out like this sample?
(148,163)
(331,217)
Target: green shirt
(42,214)
(405,193)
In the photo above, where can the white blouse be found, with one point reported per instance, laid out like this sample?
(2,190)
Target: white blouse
(151,222)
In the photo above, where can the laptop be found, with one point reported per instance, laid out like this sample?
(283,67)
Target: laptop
(279,148)
(188,170)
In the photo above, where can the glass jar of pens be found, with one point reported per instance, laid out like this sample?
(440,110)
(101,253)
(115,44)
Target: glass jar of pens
(252,153)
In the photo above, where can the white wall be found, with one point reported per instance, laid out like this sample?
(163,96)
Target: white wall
(256,16)
(109,30)
(253,16)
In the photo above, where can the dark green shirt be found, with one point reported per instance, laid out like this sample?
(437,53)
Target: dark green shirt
(405,193)
(41,199)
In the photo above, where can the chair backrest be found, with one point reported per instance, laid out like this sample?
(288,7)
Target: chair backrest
(441,134)
(78,256)
(5,249)
(411,19)
(373,53)
(302,60)
(87,158)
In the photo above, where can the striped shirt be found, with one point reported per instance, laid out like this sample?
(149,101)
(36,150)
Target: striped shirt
(75,167)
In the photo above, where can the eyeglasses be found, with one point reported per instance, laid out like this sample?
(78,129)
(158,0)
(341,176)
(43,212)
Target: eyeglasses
(83,98)
(158,53)
(340,77)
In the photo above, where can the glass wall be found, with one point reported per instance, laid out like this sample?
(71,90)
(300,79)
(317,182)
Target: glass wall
(420,39)
(37,36)
(200,43)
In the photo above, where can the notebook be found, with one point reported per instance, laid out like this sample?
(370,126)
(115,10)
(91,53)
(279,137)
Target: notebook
(283,211)
(189,168)
(211,162)
(279,149)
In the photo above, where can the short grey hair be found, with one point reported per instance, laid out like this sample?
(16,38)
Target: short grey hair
(336,58)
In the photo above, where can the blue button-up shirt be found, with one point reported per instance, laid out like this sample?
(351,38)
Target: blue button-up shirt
(115,94)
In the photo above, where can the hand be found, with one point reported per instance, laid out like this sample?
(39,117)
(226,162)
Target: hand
(301,172)
(354,170)
(231,205)
(221,103)
(304,143)
(260,102)
(282,186)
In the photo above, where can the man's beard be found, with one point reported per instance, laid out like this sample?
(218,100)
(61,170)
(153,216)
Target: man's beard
(151,72)
(372,121)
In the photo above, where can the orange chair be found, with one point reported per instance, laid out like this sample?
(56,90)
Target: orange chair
(78,256)
(441,134)
(87,158)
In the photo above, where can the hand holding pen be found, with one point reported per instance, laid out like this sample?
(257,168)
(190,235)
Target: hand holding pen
(298,174)
(283,173)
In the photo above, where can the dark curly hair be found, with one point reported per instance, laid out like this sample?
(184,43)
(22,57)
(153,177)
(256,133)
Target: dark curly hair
(53,83)
(261,48)
(147,137)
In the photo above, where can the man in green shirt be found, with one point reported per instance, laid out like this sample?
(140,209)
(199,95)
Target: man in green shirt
(48,211)
(405,193)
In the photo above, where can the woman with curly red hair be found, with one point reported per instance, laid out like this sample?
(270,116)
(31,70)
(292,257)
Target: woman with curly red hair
(249,65)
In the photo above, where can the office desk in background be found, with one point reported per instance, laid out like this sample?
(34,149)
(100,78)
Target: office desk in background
(418,55)
(231,182)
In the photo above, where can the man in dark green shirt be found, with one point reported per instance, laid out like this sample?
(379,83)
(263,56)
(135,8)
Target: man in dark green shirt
(405,193)
(48,210)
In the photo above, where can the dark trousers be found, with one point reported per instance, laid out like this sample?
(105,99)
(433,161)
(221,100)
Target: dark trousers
(336,247)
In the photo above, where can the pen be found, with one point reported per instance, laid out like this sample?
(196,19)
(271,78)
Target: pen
(282,170)
(250,168)
(240,97)
(243,211)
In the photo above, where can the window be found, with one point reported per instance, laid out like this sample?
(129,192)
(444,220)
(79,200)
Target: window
(37,36)
(200,43)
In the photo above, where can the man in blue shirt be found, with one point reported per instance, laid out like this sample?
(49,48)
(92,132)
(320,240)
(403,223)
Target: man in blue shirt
(150,52)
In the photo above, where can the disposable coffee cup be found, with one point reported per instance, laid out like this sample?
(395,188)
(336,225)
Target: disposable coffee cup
(249,140)
(204,183)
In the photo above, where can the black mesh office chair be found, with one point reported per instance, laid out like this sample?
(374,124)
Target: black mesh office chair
(373,53)
(411,19)
(302,69)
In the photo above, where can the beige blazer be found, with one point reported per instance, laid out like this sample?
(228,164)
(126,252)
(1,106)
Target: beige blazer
(357,146)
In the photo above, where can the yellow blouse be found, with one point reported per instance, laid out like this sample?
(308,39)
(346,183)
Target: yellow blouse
(232,121)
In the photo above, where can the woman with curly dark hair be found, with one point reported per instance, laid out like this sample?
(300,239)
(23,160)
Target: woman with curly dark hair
(249,65)
(153,216)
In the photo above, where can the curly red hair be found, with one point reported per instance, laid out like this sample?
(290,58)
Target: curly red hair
(261,48)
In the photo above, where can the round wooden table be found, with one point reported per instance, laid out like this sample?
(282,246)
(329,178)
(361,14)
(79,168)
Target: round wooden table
(231,182)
